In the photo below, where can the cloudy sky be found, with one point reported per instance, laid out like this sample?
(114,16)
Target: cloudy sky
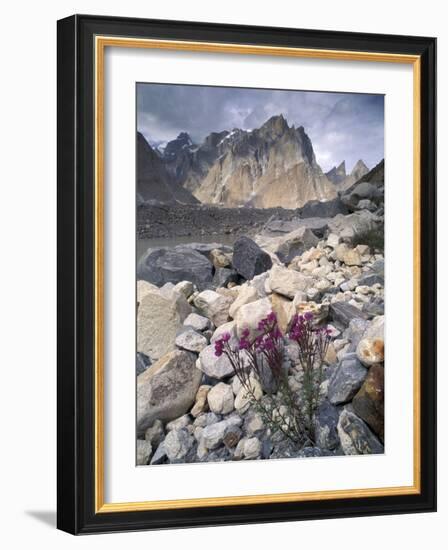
(341,126)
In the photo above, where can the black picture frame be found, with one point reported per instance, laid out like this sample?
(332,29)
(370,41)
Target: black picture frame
(76,256)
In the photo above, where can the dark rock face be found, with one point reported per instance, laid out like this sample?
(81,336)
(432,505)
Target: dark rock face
(172,265)
(143,362)
(319,209)
(346,380)
(154,184)
(327,417)
(355,435)
(249,259)
(368,403)
(343,313)
(371,279)
(223,276)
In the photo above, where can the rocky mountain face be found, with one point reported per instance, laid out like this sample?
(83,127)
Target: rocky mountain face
(154,184)
(342,180)
(271,166)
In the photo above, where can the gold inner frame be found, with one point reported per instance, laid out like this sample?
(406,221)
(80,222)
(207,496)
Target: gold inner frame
(101,42)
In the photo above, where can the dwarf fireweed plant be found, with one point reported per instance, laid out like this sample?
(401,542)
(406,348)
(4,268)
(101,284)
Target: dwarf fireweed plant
(259,358)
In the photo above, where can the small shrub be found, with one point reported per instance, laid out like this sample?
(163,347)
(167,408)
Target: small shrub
(262,357)
(373,238)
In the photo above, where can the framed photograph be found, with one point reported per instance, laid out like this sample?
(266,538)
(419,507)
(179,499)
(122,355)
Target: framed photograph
(246,274)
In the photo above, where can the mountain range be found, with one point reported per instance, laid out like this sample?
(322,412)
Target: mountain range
(270,166)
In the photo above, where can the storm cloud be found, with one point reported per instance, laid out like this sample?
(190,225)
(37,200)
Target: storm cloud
(342,126)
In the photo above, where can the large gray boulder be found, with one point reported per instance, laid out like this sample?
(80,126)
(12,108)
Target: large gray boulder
(353,224)
(173,265)
(320,209)
(249,259)
(343,313)
(167,390)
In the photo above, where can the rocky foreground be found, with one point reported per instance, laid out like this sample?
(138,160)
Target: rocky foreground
(191,406)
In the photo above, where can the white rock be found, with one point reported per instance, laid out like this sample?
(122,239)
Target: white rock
(197,322)
(247,294)
(213,435)
(288,282)
(177,444)
(144,451)
(160,315)
(244,397)
(185,287)
(215,367)
(252,448)
(220,398)
(214,306)
(190,340)
(143,288)
(332,240)
(178,423)
(249,315)
(229,327)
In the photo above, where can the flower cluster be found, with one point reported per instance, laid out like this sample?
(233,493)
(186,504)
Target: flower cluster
(260,353)
(221,343)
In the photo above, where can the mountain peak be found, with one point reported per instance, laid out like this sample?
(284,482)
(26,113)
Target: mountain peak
(359,170)
(276,124)
(340,170)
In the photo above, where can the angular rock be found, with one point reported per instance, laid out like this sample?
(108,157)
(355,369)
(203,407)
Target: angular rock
(355,436)
(282,307)
(288,282)
(159,457)
(190,340)
(155,434)
(167,390)
(179,423)
(162,265)
(370,351)
(143,287)
(346,381)
(371,279)
(185,287)
(368,403)
(220,398)
(343,313)
(197,322)
(244,397)
(177,445)
(144,451)
(292,244)
(251,448)
(229,327)
(232,437)
(249,259)
(212,366)
(213,435)
(246,295)
(160,315)
(253,424)
(143,362)
(323,209)
(249,315)
(214,306)
(201,404)
(326,424)
(349,226)
(219,258)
